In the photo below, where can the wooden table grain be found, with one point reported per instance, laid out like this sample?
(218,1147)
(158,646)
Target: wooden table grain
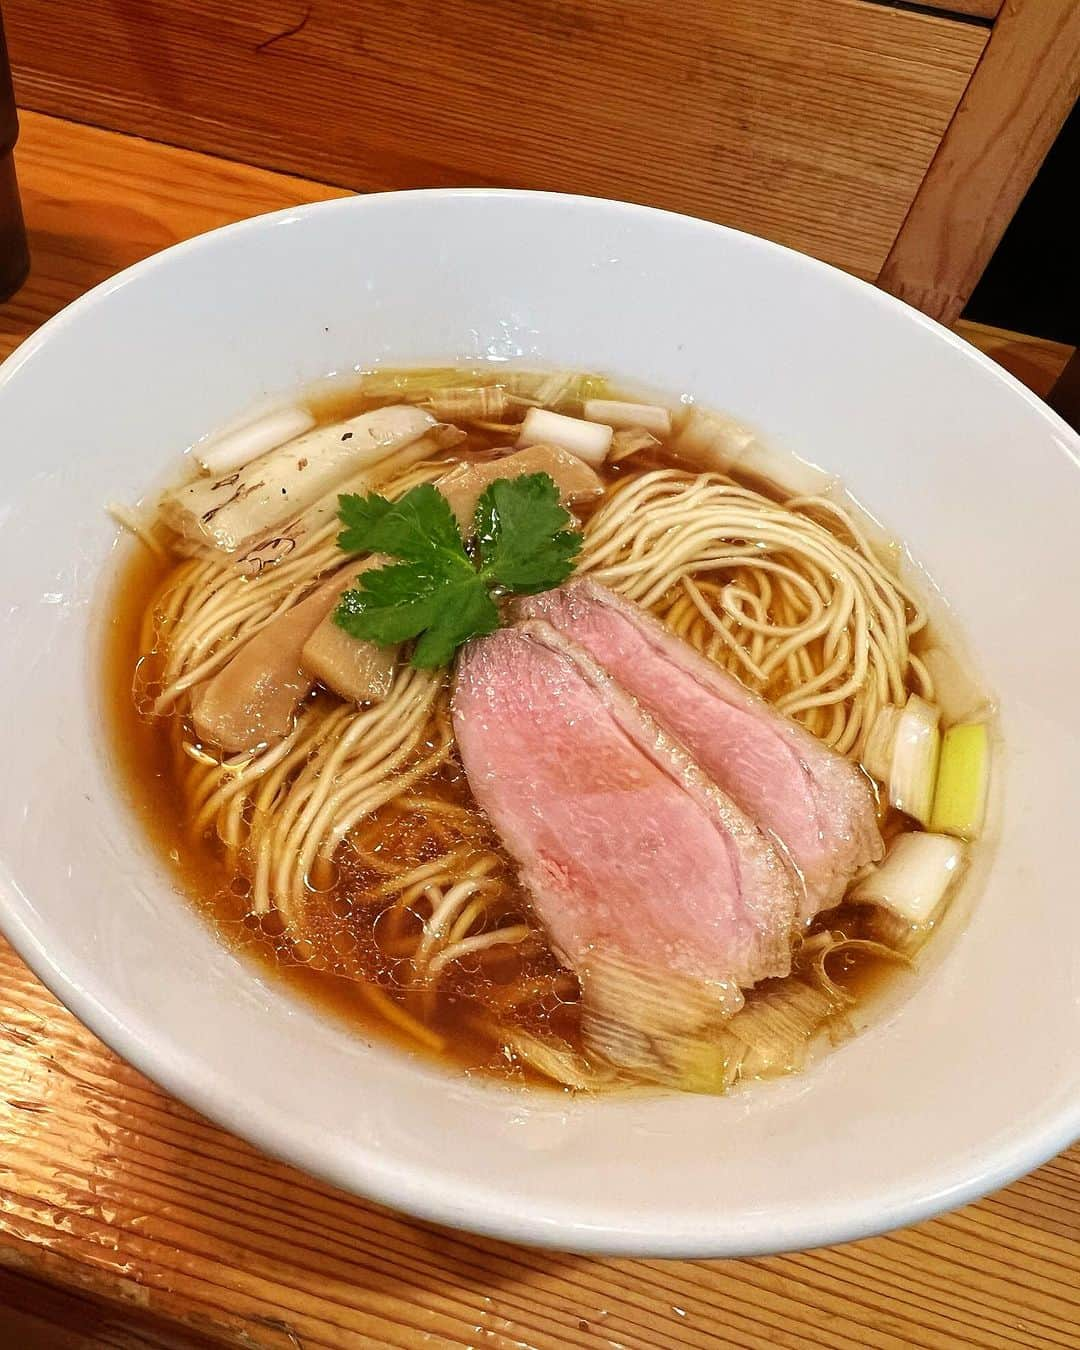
(127,1221)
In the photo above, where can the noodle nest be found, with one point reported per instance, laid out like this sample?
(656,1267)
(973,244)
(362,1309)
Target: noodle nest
(789,596)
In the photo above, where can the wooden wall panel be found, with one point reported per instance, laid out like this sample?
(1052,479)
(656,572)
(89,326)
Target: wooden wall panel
(1018,98)
(808,121)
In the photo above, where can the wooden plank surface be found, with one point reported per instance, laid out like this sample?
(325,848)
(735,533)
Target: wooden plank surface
(808,121)
(1019,96)
(127,1221)
(95,202)
(110,1188)
(36,1315)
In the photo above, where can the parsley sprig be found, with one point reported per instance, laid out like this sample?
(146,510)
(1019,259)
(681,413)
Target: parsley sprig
(441,591)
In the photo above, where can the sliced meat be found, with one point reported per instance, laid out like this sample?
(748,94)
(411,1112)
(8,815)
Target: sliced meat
(464,485)
(813,800)
(630,853)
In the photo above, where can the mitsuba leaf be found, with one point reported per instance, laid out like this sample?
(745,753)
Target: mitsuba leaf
(436,593)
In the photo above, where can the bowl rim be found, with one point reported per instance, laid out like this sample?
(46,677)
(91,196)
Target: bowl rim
(468,1205)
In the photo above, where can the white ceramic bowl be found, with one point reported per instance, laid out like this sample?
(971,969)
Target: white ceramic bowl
(966,1084)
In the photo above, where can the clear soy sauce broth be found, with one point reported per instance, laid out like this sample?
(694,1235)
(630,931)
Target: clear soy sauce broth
(351,958)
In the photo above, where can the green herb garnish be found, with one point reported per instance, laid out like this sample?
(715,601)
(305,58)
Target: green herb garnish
(441,592)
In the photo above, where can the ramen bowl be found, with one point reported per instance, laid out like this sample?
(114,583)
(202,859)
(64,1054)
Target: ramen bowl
(963,1081)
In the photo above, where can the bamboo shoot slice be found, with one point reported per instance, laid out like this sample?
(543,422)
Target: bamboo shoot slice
(358,671)
(464,485)
(251,701)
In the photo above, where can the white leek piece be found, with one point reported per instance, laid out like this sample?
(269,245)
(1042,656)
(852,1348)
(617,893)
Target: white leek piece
(794,476)
(902,752)
(963,781)
(233,449)
(709,442)
(915,759)
(615,413)
(588,440)
(878,750)
(915,876)
(228,512)
(956,690)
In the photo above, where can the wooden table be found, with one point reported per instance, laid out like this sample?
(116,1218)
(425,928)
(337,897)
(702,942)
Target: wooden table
(128,1221)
